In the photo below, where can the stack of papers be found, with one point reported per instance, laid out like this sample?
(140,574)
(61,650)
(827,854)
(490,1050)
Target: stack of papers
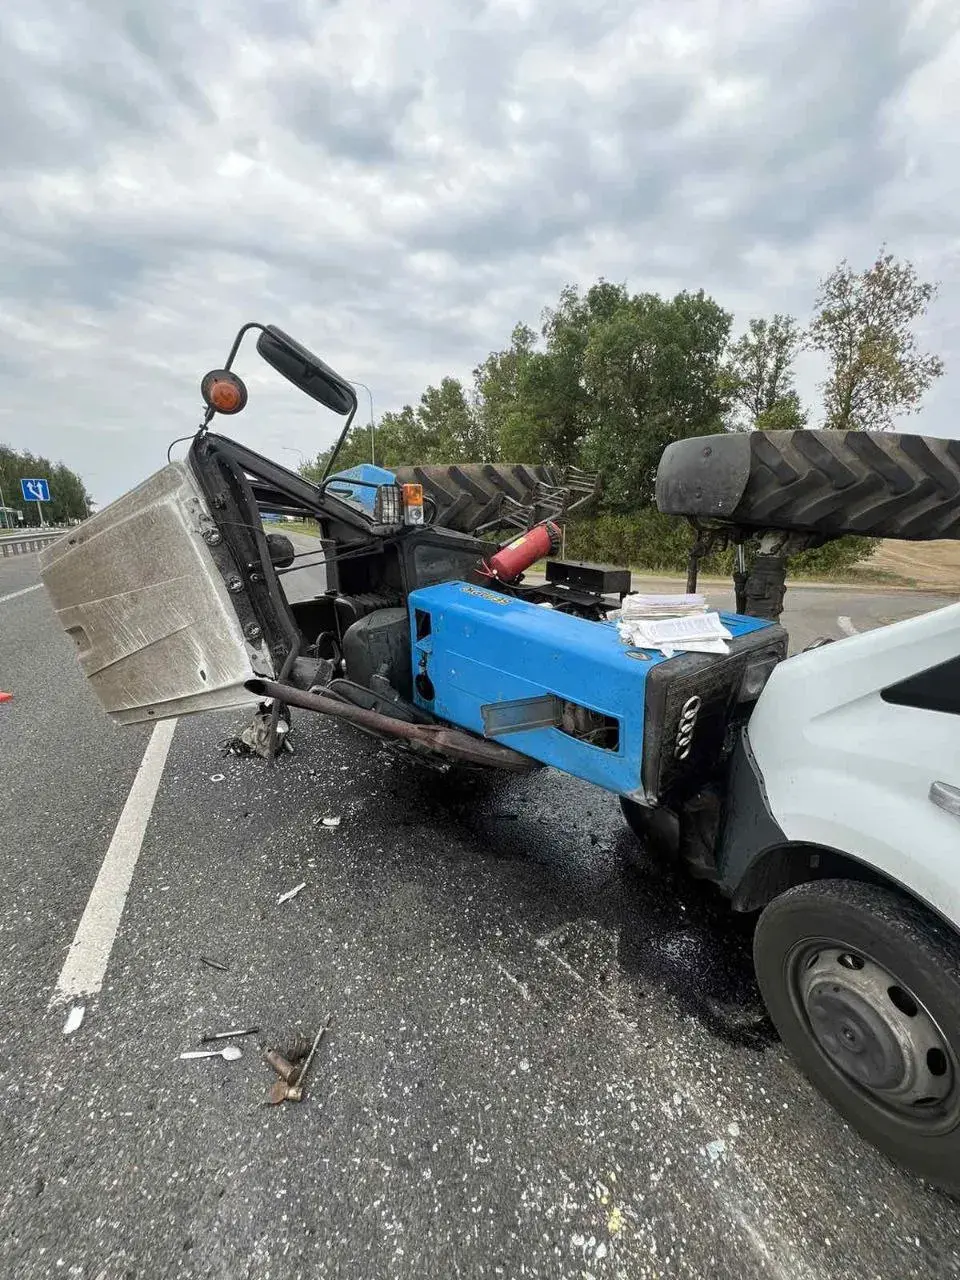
(641,606)
(692,632)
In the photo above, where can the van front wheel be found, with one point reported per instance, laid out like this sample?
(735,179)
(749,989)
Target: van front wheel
(863,985)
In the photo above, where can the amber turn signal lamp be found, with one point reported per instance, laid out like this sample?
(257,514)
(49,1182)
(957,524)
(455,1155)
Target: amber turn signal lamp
(223,391)
(413,504)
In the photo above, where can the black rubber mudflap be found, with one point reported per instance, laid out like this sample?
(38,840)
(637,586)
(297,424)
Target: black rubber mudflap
(828,482)
(470,495)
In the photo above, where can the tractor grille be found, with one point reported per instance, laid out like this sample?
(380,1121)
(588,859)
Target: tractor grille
(690,703)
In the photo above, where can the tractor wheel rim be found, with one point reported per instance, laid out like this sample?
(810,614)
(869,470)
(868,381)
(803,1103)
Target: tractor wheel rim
(872,1028)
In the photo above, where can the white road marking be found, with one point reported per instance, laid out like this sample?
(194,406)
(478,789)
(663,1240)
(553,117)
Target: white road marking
(86,962)
(24,591)
(847,627)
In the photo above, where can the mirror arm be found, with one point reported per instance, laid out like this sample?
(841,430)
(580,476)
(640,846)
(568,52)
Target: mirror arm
(337,446)
(238,339)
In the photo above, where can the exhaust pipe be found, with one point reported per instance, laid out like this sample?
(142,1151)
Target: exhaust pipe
(454,743)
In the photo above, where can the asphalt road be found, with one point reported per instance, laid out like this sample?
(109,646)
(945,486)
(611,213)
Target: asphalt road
(540,1063)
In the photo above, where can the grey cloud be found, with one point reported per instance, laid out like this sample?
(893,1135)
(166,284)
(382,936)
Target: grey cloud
(91,274)
(811,150)
(70,90)
(362,125)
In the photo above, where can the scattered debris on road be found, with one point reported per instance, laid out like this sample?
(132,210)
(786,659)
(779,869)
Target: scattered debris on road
(295,1092)
(229,1035)
(229,1053)
(289,1087)
(256,738)
(333,821)
(278,1093)
(74,1018)
(286,1070)
(291,893)
(214,964)
(296,1050)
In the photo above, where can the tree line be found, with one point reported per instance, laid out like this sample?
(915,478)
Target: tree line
(612,377)
(68,494)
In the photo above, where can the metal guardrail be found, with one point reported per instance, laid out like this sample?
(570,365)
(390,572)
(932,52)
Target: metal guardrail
(18,544)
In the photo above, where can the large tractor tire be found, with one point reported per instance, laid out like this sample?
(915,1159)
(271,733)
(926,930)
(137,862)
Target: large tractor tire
(470,495)
(822,482)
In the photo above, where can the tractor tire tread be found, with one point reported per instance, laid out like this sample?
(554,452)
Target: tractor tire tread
(469,494)
(853,482)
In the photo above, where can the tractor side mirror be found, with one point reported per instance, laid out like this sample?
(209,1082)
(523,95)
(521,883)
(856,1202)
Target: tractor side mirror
(306,371)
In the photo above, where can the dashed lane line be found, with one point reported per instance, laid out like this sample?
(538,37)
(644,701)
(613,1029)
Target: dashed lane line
(22,592)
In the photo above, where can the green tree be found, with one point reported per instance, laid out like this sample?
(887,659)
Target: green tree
(443,428)
(651,370)
(397,436)
(787,414)
(447,425)
(757,376)
(863,324)
(613,379)
(503,394)
(529,400)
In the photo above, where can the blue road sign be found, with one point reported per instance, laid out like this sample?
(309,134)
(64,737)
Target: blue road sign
(35,490)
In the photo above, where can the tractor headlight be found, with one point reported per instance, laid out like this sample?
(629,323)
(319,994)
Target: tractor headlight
(755,676)
(388,504)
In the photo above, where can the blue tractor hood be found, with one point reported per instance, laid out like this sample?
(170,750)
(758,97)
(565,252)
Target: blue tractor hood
(362,494)
(475,649)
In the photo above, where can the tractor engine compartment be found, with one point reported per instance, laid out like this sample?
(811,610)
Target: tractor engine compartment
(568,692)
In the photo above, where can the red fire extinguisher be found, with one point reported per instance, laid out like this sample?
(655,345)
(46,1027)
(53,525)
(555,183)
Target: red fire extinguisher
(511,560)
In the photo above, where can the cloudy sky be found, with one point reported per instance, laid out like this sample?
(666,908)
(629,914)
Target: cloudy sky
(398,183)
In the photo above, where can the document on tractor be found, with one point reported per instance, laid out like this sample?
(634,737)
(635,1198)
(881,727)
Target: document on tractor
(690,633)
(639,605)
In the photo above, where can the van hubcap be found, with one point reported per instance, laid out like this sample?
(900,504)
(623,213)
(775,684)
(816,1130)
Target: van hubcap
(873,1028)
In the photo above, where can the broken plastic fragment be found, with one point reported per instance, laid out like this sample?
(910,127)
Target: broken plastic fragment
(74,1018)
(291,893)
(331,822)
(295,1091)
